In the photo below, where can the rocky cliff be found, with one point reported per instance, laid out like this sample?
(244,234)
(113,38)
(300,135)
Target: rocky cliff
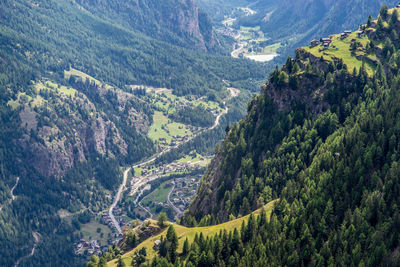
(62,130)
(175,21)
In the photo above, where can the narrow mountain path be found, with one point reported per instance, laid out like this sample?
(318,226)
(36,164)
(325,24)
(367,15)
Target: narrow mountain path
(36,236)
(135,187)
(12,194)
(12,191)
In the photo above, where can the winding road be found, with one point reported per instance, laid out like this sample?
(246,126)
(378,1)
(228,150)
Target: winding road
(178,211)
(12,193)
(235,53)
(36,236)
(116,200)
(233,93)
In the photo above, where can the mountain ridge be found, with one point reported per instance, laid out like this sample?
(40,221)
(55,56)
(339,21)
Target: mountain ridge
(334,167)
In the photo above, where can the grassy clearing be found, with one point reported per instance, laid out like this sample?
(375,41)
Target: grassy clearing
(68,91)
(138,171)
(22,98)
(156,132)
(37,101)
(161,121)
(189,158)
(158,195)
(89,231)
(72,71)
(14,104)
(247,29)
(272,48)
(342,50)
(245,36)
(199,159)
(208,104)
(186,232)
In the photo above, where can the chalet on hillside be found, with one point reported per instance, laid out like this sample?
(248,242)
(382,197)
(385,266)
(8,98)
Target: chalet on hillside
(314,43)
(360,34)
(326,40)
(345,34)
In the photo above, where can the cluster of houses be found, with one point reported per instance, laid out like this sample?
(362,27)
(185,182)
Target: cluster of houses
(172,167)
(326,42)
(92,247)
(228,31)
(185,188)
(175,139)
(106,220)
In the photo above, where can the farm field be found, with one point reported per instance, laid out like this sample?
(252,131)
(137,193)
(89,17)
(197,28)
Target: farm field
(163,127)
(158,195)
(89,231)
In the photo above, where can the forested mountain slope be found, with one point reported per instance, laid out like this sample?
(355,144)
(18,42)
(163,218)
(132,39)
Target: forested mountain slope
(176,22)
(323,137)
(295,23)
(69,118)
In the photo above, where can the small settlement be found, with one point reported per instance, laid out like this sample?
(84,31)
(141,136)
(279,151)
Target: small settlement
(92,246)
(185,188)
(326,42)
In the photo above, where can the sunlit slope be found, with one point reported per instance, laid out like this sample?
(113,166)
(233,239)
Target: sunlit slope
(189,233)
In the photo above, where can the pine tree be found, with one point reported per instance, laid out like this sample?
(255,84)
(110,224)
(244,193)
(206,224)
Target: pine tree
(383,13)
(172,238)
(161,219)
(369,21)
(185,249)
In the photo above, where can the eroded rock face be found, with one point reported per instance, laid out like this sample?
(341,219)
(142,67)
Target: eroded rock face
(98,132)
(67,131)
(165,20)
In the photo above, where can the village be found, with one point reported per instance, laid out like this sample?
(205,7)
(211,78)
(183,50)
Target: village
(173,167)
(174,200)
(173,196)
(90,245)
(184,190)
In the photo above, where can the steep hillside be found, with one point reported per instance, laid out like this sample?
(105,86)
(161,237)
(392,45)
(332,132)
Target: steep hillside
(69,118)
(217,9)
(177,22)
(192,234)
(322,137)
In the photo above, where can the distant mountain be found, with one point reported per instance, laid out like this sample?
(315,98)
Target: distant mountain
(295,23)
(217,9)
(304,20)
(178,22)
